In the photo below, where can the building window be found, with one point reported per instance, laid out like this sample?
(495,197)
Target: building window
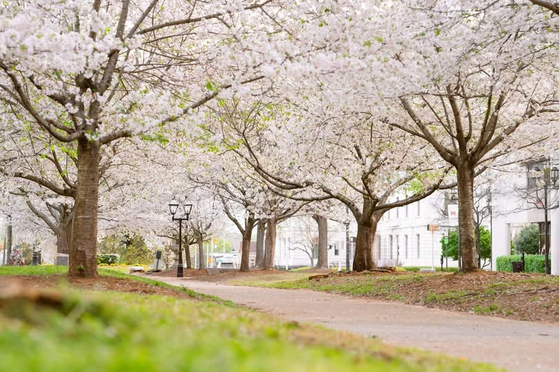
(419,208)
(397,247)
(418,245)
(407,210)
(336,250)
(391,245)
(406,246)
(378,245)
(397,209)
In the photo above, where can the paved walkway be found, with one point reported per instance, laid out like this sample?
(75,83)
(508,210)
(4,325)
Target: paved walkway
(515,345)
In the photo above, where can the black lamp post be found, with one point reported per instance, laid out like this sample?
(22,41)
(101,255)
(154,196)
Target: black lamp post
(183,216)
(549,178)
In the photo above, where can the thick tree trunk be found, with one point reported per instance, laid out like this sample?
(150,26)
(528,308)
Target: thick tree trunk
(363,259)
(270,244)
(322,262)
(201,256)
(187,256)
(64,234)
(83,250)
(245,249)
(466,211)
(245,252)
(259,260)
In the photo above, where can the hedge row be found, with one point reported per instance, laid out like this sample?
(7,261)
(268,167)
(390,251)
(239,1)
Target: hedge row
(534,263)
(107,259)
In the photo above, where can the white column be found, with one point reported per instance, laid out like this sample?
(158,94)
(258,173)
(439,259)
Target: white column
(500,239)
(554,241)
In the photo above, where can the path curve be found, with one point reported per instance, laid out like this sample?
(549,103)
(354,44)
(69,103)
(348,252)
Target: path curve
(514,345)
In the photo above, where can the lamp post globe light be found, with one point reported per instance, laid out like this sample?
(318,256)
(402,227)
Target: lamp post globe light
(184,210)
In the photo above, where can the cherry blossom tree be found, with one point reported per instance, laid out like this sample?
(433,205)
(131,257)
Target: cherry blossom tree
(307,155)
(89,72)
(472,80)
(479,88)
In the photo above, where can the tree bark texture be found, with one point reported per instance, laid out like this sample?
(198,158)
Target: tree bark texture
(259,260)
(201,256)
(466,222)
(270,244)
(363,259)
(322,262)
(245,248)
(64,234)
(83,250)
(187,256)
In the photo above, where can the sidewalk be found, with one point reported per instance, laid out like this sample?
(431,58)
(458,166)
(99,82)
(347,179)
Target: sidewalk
(514,345)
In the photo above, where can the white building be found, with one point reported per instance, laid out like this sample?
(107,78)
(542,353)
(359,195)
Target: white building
(297,237)
(403,238)
(515,205)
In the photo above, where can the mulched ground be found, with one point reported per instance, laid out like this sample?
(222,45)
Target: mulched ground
(188,273)
(100,284)
(226,275)
(523,296)
(532,297)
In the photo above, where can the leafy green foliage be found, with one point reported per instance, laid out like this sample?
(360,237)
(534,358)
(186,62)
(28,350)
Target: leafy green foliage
(130,246)
(27,252)
(528,240)
(155,137)
(533,263)
(450,249)
(107,259)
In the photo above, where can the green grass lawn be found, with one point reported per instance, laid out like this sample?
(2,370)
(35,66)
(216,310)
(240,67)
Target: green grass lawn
(62,270)
(352,285)
(33,270)
(531,297)
(112,331)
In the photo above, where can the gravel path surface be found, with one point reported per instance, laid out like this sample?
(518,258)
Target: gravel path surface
(514,345)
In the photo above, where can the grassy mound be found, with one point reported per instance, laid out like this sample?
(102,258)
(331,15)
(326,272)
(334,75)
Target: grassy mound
(69,330)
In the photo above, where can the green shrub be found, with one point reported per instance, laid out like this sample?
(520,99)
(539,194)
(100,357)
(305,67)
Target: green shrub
(449,244)
(528,240)
(504,263)
(107,259)
(536,263)
(533,263)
